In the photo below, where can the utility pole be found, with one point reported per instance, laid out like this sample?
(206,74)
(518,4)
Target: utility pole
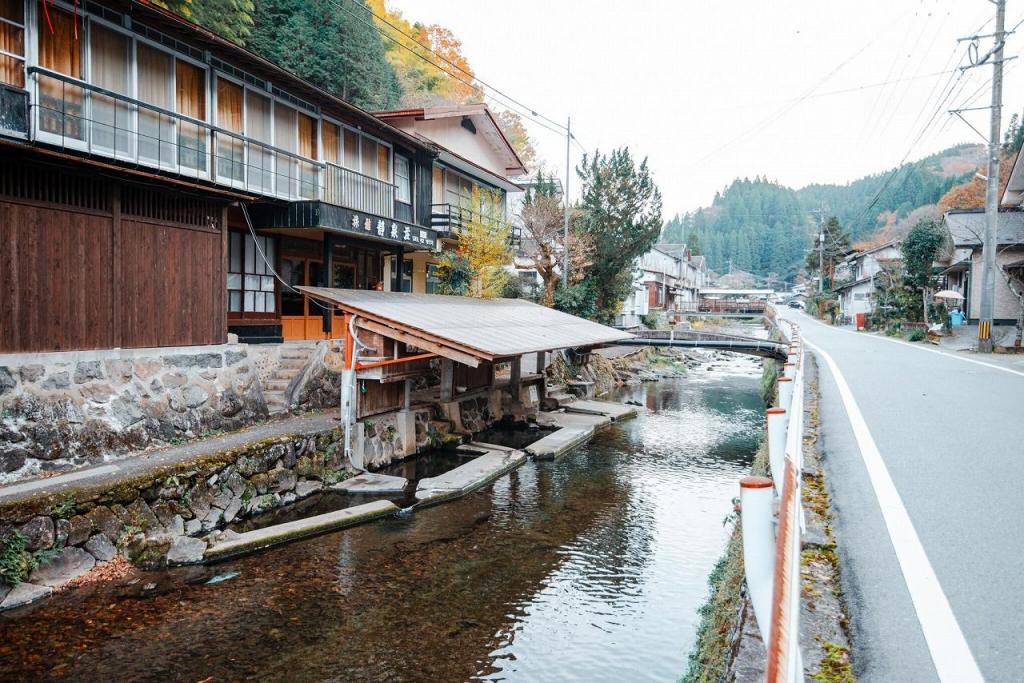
(565,200)
(821,259)
(991,242)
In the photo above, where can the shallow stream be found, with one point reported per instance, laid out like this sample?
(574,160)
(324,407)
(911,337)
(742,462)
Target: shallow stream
(590,568)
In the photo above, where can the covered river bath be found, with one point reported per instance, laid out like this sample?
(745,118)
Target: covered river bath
(589,568)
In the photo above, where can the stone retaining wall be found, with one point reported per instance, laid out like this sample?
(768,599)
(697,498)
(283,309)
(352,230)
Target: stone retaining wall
(63,410)
(164,518)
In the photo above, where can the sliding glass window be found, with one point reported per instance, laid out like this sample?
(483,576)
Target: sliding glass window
(231,117)
(157,130)
(61,105)
(190,98)
(113,119)
(12,43)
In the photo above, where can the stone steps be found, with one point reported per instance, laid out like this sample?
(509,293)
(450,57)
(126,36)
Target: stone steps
(292,361)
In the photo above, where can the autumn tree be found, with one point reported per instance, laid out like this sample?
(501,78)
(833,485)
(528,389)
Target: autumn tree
(620,212)
(484,241)
(427,59)
(512,126)
(971,194)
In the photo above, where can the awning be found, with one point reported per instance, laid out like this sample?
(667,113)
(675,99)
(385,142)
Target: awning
(958,267)
(466,329)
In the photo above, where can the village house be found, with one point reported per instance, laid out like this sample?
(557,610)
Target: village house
(471,177)
(857,273)
(168,199)
(667,282)
(963,262)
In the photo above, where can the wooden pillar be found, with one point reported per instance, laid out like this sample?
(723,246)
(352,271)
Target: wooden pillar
(516,379)
(115,268)
(542,387)
(224,246)
(447,379)
(328,270)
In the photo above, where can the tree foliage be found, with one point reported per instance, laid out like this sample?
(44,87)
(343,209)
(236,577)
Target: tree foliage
(484,241)
(834,248)
(621,213)
(515,130)
(231,19)
(919,250)
(336,47)
(427,79)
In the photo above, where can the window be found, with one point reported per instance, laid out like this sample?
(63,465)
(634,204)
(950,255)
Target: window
(308,177)
(251,288)
(60,103)
(12,43)
(112,119)
(286,138)
(257,126)
(403,179)
(190,98)
(157,132)
(332,142)
(351,149)
(433,281)
(437,186)
(230,116)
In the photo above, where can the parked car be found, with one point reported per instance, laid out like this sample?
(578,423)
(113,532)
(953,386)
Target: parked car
(796,304)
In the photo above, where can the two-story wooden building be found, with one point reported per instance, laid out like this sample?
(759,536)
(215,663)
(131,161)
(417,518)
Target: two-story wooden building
(161,186)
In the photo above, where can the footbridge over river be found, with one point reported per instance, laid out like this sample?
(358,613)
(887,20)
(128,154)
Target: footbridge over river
(694,339)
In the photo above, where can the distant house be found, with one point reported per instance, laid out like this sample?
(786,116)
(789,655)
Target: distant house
(667,280)
(861,269)
(963,264)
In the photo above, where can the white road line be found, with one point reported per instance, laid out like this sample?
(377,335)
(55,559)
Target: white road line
(916,347)
(950,654)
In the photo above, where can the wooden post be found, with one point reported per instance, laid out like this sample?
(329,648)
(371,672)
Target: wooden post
(542,388)
(516,379)
(328,265)
(115,266)
(447,379)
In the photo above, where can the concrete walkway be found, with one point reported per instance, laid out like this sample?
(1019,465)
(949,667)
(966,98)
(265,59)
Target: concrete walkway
(372,483)
(98,478)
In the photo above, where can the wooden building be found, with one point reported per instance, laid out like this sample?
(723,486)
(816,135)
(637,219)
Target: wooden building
(161,186)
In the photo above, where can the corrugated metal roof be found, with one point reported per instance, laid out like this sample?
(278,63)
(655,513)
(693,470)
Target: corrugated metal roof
(968,227)
(486,328)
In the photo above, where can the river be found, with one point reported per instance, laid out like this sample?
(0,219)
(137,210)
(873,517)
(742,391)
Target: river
(590,568)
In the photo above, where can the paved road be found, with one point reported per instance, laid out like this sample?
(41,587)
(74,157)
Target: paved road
(950,434)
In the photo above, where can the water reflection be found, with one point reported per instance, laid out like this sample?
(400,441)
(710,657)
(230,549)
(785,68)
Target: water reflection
(590,568)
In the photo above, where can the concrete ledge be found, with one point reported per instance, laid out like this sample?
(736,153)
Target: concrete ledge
(300,528)
(616,411)
(559,443)
(373,483)
(469,477)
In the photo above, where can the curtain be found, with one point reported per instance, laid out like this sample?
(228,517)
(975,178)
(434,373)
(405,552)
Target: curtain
(156,131)
(112,123)
(308,173)
(351,150)
(383,162)
(437,186)
(190,98)
(286,138)
(60,103)
(330,140)
(12,39)
(230,151)
(257,126)
(369,158)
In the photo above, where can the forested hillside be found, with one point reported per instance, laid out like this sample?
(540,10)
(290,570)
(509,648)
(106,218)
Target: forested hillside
(764,227)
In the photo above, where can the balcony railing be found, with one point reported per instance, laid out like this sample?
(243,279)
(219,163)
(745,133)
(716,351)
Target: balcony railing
(354,190)
(73,114)
(449,219)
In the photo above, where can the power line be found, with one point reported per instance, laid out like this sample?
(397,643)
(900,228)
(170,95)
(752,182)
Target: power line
(510,103)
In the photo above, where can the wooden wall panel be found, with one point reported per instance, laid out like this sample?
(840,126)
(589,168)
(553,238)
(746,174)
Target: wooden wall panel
(380,397)
(473,378)
(173,284)
(55,284)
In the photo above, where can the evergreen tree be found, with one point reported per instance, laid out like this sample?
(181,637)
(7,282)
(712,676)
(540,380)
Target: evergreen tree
(919,249)
(621,213)
(231,19)
(336,47)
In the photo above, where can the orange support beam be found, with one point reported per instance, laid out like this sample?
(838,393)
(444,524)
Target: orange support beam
(394,361)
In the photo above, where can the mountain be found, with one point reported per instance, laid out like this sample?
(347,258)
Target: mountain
(766,228)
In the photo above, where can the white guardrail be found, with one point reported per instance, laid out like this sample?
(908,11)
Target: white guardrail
(772,525)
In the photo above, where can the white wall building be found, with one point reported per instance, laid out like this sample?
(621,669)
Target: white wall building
(862,268)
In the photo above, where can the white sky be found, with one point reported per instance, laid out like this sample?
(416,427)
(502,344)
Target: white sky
(706,89)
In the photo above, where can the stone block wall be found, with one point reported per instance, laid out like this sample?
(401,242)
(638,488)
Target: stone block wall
(165,518)
(63,410)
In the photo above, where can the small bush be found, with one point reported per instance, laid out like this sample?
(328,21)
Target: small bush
(16,563)
(650,320)
(916,335)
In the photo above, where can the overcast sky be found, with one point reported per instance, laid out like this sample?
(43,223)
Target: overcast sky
(709,91)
